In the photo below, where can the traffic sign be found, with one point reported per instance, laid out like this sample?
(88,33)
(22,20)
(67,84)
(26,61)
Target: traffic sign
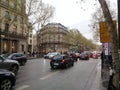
(104,34)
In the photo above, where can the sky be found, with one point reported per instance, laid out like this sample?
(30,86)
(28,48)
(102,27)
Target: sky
(74,15)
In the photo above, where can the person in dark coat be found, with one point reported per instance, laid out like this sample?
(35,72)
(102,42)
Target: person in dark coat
(111,74)
(102,57)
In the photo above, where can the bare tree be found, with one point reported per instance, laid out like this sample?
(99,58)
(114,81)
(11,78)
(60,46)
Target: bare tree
(38,12)
(97,17)
(114,39)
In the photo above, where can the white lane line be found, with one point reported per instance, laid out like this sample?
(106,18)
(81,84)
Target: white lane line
(22,87)
(48,76)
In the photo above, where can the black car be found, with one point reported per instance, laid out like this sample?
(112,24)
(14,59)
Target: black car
(74,56)
(20,57)
(7,79)
(11,65)
(61,61)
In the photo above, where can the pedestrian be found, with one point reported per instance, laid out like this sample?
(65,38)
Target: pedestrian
(111,74)
(102,57)
(24,52)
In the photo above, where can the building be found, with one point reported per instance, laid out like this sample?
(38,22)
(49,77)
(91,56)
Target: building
(13,26)
(35,43)
(52,38)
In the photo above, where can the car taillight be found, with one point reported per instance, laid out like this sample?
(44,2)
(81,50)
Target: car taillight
(63,61)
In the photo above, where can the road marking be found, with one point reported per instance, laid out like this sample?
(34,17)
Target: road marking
(22,87)
(48,76)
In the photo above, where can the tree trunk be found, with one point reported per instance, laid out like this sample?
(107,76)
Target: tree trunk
(114,40)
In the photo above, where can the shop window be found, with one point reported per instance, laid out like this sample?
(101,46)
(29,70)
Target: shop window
(5,46)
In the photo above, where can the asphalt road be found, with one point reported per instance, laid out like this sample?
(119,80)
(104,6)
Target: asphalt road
(37,75)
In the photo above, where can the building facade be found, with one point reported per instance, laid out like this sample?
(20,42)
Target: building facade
(52,38)
(13,26)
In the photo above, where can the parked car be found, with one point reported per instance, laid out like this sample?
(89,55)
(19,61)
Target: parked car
(61,61)
(95,56)
(77,55)
(7,80)
(11,65)
(20,57)
(5,55)
(84,56)
(51,55)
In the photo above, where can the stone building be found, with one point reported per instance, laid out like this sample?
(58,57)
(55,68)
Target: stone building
(13,26)
(52,38)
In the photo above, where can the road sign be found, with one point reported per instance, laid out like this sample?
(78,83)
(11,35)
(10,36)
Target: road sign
(104,34)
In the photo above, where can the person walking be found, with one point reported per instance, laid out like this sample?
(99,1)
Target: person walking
(111,74)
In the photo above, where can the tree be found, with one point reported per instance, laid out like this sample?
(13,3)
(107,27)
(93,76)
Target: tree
(38,13)
(114,40)
(75,38)
(97,17)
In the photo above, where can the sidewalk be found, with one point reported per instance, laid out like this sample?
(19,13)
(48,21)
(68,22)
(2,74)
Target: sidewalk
(99,82)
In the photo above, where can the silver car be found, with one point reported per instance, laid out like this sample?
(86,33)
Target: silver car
(11,65)
(51,55)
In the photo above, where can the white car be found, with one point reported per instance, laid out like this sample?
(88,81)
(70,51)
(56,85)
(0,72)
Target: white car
(51,55)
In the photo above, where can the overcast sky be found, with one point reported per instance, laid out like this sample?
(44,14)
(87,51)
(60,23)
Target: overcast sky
(70,14)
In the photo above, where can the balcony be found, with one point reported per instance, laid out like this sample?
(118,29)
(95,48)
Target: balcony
(18,35)
(14,9)
(14,35)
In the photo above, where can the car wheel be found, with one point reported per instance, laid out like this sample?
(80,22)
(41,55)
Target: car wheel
(66,65)
(14,69)
(6,84)
(23,63)
(72,63)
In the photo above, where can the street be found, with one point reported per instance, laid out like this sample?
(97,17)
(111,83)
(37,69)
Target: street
(37,75)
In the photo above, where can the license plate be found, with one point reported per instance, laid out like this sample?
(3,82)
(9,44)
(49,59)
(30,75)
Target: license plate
(56,64)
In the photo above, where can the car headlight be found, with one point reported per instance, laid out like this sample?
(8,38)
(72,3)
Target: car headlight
(13,73)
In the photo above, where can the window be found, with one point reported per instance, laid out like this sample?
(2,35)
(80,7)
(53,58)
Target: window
(30,35)
(22,46)
(14,29)
(30,41)
(21,20)
(1,59)
(14,6)
(15,18)
(7,14)
(7,2)
(6,27)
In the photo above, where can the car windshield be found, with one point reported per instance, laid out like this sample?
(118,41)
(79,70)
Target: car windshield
(1,58)
(5,55)
(58,57)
